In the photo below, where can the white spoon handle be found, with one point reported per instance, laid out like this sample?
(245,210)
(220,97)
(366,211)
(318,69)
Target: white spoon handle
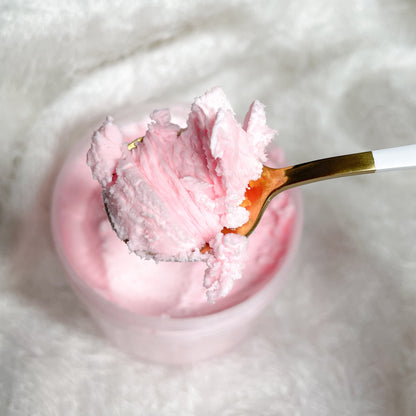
(395,157)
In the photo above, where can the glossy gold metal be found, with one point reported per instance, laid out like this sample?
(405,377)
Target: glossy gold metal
(132,145)
(274,181)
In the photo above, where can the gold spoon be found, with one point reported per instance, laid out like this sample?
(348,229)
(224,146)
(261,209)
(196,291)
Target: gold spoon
(276,180)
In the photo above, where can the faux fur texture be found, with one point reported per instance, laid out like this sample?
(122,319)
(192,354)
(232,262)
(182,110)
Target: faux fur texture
(337,77)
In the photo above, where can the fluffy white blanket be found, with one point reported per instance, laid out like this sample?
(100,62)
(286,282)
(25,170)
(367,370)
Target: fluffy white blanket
(337,77)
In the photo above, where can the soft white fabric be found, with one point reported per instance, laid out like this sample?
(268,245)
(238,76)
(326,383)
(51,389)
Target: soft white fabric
(336,77)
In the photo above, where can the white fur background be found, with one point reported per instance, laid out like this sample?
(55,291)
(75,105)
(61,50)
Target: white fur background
(336,77)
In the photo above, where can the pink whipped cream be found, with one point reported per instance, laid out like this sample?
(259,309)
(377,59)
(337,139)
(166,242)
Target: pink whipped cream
(174,193)
(96,257)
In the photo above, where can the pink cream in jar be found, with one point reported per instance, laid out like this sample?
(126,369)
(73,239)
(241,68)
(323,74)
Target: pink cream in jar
(158,311)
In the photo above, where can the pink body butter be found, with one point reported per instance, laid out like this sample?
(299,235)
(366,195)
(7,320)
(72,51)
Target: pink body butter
(182,185)
(167,198)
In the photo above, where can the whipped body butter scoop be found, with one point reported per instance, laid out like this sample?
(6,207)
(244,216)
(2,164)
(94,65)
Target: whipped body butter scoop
(174,283)
(176,190)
